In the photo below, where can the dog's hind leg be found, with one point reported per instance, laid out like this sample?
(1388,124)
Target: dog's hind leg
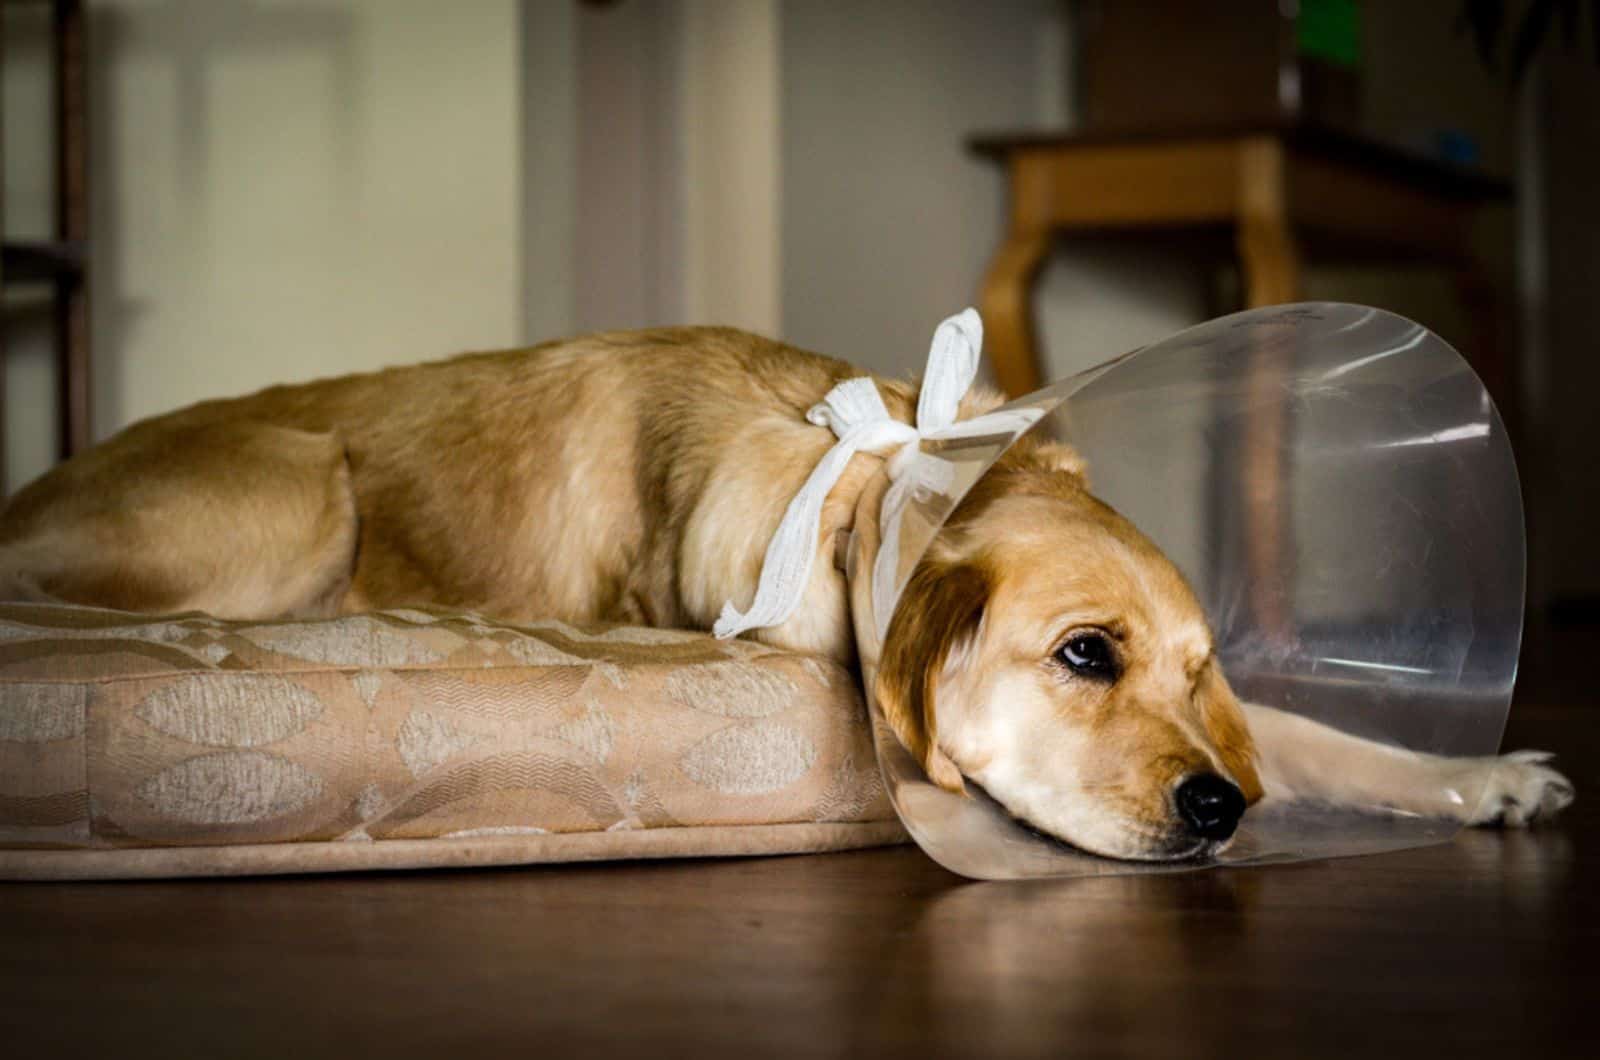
(240,520)
(1299,758)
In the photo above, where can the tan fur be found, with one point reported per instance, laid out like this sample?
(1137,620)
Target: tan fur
(970,680)
(938,617)
(638,477)
(273,537)
(1225,726)
(629,477)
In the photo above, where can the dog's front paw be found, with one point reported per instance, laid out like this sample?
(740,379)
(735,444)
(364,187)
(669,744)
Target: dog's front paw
(1520,789)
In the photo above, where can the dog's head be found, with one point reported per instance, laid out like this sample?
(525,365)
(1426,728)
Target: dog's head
(1048,651)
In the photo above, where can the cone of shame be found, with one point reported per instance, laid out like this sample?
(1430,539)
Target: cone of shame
(1338,489)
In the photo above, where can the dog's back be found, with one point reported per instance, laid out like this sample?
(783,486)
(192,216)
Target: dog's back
(548,482)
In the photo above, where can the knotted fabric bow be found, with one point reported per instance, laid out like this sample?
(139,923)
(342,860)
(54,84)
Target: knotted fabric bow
(855,413)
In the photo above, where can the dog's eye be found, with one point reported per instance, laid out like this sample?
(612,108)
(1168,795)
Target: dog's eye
(1088,655)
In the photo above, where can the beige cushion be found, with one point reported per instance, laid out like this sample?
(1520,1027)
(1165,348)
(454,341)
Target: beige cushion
(186,745)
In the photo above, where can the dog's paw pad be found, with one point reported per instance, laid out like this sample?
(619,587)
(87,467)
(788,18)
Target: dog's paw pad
(1520,789)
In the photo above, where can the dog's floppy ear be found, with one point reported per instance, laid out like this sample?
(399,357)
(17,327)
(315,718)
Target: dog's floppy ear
(938,613)
(1224,723)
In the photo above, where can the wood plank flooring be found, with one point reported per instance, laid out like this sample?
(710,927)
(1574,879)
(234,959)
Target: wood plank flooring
(1483,947)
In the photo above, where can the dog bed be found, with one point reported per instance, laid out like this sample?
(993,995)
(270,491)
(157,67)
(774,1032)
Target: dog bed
(133,746)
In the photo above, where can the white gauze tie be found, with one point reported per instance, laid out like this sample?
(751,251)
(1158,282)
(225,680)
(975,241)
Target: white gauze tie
(855,413)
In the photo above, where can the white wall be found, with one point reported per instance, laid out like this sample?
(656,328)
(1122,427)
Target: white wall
(678,164)
(627,265)
(731,83)
(291,190)
(887,220)
(548,98)
(798,168)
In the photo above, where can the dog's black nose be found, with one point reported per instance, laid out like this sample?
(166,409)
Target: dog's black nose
(1210,805)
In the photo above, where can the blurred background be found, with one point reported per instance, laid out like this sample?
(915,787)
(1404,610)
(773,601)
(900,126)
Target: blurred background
(247,192)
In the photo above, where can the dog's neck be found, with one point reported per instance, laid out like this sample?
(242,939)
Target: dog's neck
(841,548)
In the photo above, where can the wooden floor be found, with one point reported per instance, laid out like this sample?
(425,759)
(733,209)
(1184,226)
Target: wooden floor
(1485,946)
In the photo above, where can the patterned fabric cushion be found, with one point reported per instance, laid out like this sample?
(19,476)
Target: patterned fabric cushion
(186,745)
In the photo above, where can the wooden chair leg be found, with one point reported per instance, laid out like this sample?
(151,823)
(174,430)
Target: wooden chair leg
(1006,302)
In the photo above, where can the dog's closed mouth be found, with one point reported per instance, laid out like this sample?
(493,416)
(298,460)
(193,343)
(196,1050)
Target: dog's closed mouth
(1202,851)
(1054,841)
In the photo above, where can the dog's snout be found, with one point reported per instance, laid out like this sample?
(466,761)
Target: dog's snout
(1210,806)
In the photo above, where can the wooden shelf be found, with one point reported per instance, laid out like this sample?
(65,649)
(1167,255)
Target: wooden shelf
(59,263)
(41,261)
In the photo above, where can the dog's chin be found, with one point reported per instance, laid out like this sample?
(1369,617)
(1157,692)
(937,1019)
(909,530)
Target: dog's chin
(1111,836)
(1140,847)
(1187,848)
(1137,844)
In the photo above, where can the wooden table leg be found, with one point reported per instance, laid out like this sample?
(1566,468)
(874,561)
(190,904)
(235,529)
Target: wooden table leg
(1270,263)
(1476,289)
(1006,302)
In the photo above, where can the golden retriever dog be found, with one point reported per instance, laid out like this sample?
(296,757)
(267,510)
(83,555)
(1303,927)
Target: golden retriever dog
(1044,649)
